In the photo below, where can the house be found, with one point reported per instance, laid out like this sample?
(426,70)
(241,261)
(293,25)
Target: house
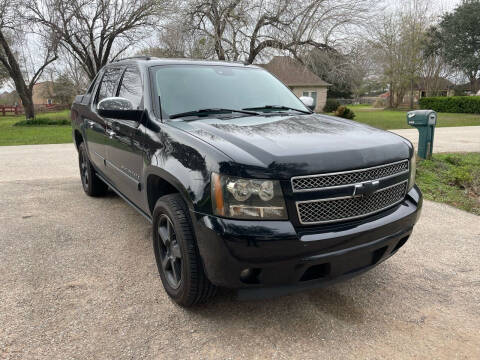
(9,98)
(468,89)
(425,87)
(299,79)
(43,93)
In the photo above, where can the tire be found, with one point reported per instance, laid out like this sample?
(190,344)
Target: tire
(92,185)
(178,260)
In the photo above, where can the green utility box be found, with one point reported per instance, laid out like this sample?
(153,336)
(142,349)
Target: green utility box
(425,121)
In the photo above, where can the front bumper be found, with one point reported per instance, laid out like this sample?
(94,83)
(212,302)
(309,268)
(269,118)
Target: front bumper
(283,258)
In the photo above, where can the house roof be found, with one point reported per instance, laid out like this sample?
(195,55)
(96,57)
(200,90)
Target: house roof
(292,73)
(441,83)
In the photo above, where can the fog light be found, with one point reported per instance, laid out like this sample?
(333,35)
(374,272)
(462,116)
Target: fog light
(250,275)
(245,274)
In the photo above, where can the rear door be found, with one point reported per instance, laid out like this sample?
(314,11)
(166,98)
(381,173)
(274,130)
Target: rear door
(124,150)
(95,125)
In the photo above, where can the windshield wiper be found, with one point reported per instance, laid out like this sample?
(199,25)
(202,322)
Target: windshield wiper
(277,107)
(212,111)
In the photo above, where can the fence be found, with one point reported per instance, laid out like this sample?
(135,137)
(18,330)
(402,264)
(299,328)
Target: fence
(15,110)
(39,108)
(361,100)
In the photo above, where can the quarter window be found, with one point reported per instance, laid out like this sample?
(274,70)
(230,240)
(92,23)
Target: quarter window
(131,87)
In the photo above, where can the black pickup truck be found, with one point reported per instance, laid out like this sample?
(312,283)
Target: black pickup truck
(244,185)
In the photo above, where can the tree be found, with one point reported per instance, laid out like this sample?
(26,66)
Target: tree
(398,41)
(177,41)
(457,39)
(95,32)
(12,27)
(214,18)
(247,28)
(344,71)
(3,74)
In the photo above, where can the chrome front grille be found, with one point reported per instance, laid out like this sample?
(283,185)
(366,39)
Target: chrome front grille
(345,208)
(321,181)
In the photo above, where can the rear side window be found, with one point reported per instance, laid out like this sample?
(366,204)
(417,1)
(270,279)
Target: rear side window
(131,87)
(108,87)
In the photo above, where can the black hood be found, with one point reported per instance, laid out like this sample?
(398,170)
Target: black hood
(285,146)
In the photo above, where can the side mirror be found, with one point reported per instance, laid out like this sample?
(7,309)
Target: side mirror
(118,108)
(308,102)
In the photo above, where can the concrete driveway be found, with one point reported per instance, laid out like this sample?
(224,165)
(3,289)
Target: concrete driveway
(449,139)
(78,280)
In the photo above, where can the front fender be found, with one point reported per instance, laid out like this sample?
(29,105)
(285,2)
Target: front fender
(183,161)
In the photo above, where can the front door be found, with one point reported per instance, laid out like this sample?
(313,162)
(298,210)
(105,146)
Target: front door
(95,125)
(124,150)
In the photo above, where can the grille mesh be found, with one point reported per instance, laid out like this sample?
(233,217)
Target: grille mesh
(347,178)
(345,208)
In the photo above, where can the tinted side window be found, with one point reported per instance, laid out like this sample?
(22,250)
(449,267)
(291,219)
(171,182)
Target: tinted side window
(108,87)
(131,87)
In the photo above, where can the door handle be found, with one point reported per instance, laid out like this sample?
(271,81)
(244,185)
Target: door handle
(90,124)
(111,134)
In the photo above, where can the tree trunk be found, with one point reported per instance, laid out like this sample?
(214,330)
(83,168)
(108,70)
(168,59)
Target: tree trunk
(411,93)
(11,64)
(473,85)
(390,98)
(28,107)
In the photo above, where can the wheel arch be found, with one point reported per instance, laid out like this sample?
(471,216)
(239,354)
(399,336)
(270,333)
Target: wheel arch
(159,183)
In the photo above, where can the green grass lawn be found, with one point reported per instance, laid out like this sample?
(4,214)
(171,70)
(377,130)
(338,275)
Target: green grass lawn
(396,119)
(29,135)
(453,179)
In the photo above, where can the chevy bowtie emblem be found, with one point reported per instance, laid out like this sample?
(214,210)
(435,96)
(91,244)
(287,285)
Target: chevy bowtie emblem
(365,188)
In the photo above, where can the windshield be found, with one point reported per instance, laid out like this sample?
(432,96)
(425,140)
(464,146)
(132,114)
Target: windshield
(185,88)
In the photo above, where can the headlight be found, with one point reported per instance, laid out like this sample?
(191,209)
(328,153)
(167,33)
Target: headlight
(239,198)
(413,170)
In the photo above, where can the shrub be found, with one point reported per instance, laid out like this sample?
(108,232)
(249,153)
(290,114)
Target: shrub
(331,105)
(43,121)
(345,113)
(452,104)
(379,103)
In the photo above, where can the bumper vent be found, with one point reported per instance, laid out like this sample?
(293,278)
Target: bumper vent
(316,182)
(345,208)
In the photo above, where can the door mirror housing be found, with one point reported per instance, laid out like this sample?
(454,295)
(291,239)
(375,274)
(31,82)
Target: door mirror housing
(308,102)
(118,108)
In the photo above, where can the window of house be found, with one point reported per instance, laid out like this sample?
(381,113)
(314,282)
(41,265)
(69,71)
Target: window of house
(131,87)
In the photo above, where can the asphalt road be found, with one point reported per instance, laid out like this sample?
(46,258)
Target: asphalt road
(78,280)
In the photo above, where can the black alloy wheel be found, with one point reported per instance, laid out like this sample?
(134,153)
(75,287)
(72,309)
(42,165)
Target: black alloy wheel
(169,250)
(178,260)
(91,183)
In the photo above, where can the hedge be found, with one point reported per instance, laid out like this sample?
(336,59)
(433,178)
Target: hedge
(452,104)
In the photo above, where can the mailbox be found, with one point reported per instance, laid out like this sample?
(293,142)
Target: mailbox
(425,121)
